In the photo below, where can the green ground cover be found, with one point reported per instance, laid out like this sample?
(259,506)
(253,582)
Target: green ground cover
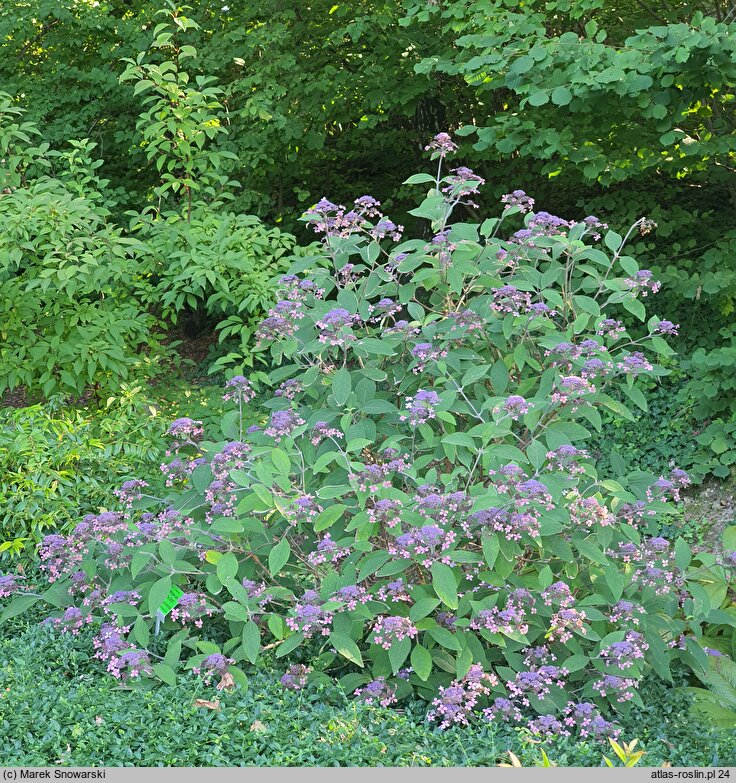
(58,707)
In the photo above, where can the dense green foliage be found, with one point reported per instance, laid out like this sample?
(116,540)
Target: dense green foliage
(56,708)
(68,314)
(59,461)
(85,302)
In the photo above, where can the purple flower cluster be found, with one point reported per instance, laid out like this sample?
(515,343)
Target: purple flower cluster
(466,322)
(462,182)
(624,654)
(424,354)
(232,456)
(537,681)
(328,551)
(572,390)
(427,544)
(302,510)
(257,592)
(61,555)
(156,527)
(179,470)
(397,591)
(322,430)
(186,430)
(558,593)
(565,459)
(634,364)
(518,198)
(289,389)
(130,664)
(548,726)
(387,630)
(282,321)
(295,677)
(124,662)
(214,666)
(376,476)
(565,354)
(298,290)
(127,597)
(613,686)
(456,703)
(564,623)
(309,616)
(220,495)
(441,146)
(514,406)
(511,524)
(238,388)
(386,513)
(594,226)
(386,228)
(377,692)
(502,708)
(9,583)
(642,283)
(510,620)
(667,327)
(420,408)
(331,219)
(589,512)
(384,308)
(611,328)
(283,424)
(544,224)
(625,613)
(586,717)
(509,299)
(441,508)
(351,596)
(334,327)
(192,608)
(130,491)
(71,621)
(669,488)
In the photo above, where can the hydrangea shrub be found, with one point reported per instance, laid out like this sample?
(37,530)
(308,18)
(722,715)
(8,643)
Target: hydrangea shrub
(416,511)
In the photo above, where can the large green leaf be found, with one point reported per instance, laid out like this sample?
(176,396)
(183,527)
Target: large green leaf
(346,647)
(444,583)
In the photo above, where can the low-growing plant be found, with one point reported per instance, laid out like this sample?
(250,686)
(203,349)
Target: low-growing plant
(659,437)
(55,705)
(58,460)
(416,512)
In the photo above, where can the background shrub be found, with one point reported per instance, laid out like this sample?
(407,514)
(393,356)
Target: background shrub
(69,317)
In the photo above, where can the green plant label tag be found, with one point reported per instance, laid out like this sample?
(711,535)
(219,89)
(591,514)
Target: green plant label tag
(171,600)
